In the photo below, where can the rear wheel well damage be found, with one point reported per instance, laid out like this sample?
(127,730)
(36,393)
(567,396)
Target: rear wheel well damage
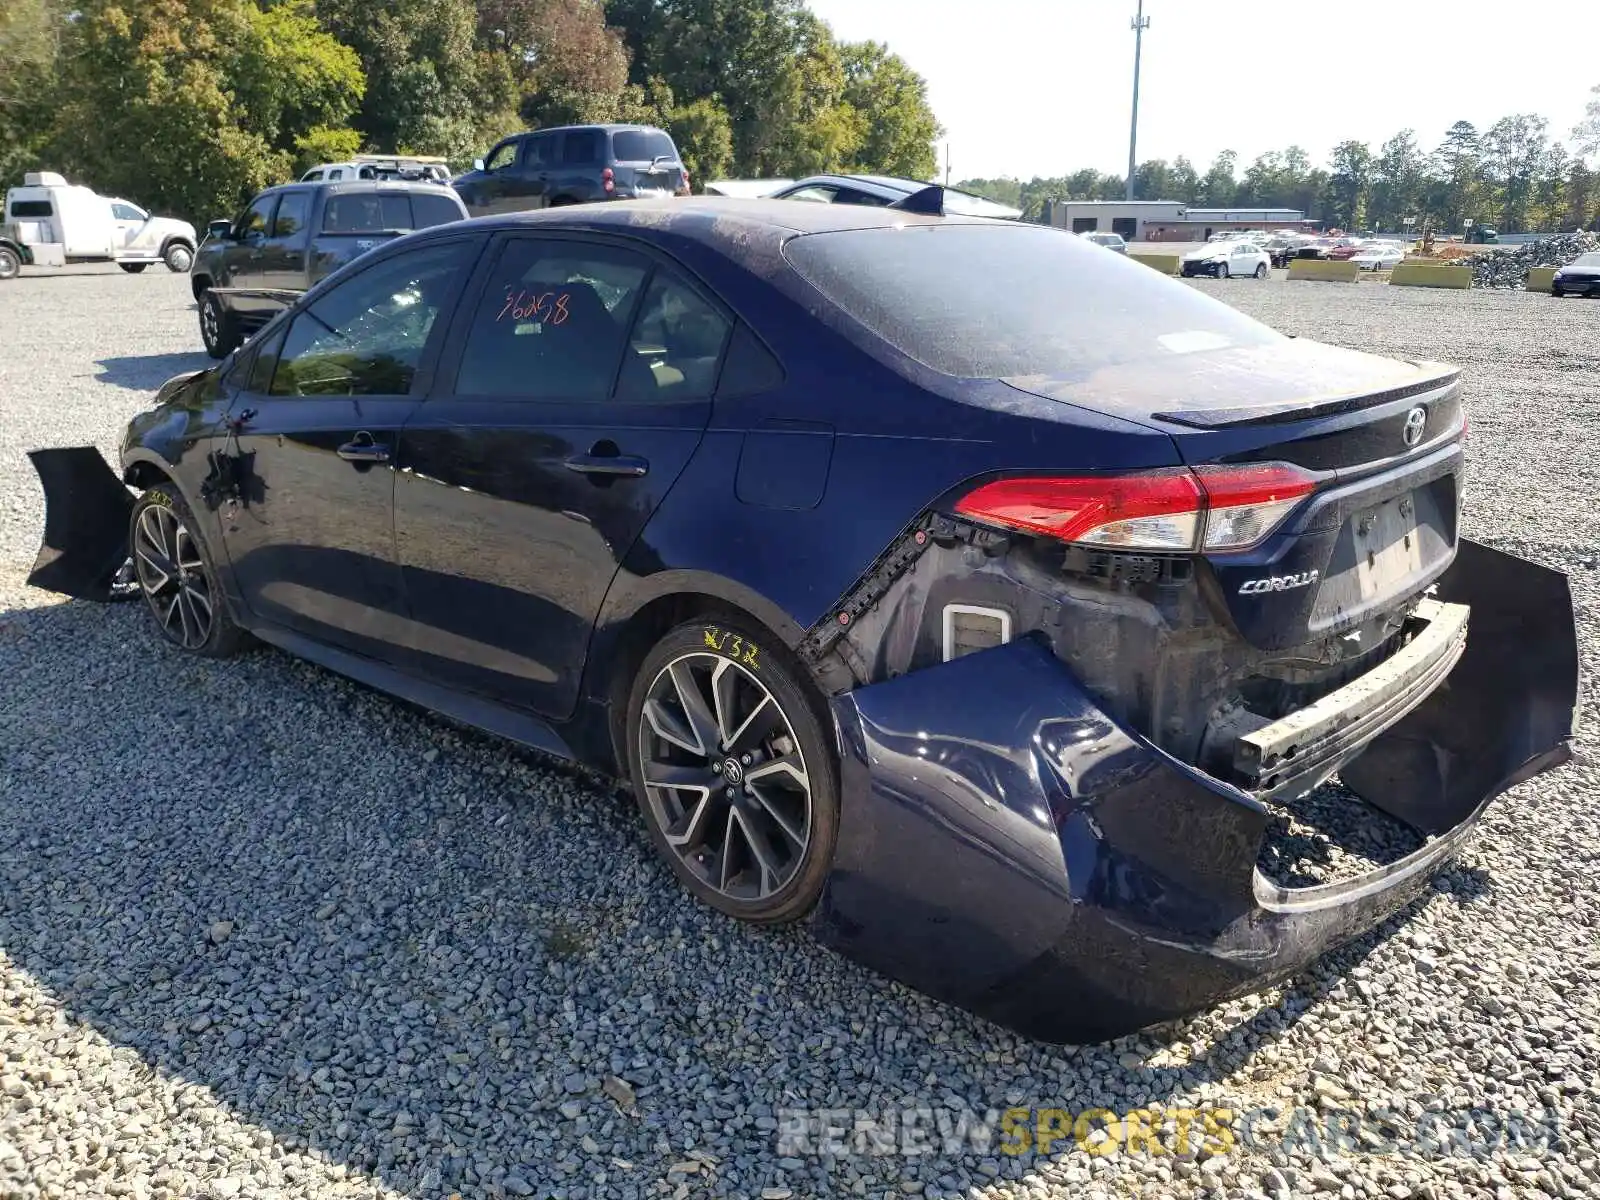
(143,475)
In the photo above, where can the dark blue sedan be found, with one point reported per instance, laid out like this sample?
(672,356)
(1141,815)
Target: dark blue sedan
(976,596)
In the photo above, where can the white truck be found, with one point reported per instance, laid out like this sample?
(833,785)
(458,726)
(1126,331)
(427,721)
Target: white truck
(49,222)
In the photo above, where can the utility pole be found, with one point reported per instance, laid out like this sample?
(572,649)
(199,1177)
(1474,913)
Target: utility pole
(1140,24)
(947,164)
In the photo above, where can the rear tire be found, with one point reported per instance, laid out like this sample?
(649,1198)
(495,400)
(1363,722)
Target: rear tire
(1261,270)
(133,268)
(178,256)
(733,770)
(218,329)
(10,263)
(176,578)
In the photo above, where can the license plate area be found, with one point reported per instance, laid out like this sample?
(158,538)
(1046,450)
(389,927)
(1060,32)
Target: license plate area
(1387,548)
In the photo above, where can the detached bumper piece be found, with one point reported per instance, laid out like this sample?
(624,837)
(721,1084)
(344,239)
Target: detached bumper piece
(1006,846)
(86,511)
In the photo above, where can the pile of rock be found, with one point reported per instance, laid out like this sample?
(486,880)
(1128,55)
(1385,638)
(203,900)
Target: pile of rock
(1508,267)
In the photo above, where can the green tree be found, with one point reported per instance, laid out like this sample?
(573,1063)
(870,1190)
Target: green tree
(1184,181)
(704,136)
(1399,181)
(562,63)
(289,78)
(892,100)
(1514,151)
(1458,164)
(1586,133)
(31,32)
(1349,184)
(425,82)
(1219,188)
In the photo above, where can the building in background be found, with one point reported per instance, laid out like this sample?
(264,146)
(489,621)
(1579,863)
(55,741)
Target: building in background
(1166,220)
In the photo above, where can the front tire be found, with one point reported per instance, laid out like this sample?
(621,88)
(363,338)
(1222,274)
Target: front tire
(176,578)
(133,268)
(1222,270)
(733,770)
(218,329)
(179,257)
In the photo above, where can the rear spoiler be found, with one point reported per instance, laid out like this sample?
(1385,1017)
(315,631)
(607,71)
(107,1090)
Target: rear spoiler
(1299,410)
(929,201)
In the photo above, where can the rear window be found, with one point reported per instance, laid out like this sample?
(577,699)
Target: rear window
(641,145)
(367,212)
(998,301)
(31,208)
(435,210)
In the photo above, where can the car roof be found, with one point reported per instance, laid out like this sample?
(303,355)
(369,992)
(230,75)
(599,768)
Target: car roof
(342,186)
(608,128)
(715,220)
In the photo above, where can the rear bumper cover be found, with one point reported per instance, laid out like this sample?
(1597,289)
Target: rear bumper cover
(1008,847)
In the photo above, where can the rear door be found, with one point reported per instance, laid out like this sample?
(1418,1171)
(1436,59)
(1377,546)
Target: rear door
(311,545)
(576,388)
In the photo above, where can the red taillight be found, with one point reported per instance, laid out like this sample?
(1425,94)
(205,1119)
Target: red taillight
(608,180)
(1213,508)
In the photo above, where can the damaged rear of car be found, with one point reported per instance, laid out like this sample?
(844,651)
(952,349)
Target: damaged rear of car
(1080,699)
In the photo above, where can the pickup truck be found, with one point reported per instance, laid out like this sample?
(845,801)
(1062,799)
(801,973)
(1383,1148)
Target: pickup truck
(290,237)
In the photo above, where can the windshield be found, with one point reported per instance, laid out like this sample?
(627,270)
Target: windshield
(1589,262)
(641,145)
(997,301)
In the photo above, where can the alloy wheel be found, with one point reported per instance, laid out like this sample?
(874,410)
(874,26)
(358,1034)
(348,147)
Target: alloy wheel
(210,327)
(724,776)
(172,576)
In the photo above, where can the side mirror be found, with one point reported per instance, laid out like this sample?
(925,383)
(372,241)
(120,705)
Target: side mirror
(219,229)
(477,164)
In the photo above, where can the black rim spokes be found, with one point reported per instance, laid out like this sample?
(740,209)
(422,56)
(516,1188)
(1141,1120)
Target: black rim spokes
(172,576)
(724,776)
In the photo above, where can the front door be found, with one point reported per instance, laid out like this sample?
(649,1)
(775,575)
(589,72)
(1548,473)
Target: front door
(311,538)
(246,250)
(574,391)
(283,255)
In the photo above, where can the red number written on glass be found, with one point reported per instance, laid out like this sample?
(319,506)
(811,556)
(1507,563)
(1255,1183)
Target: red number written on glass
(546,306)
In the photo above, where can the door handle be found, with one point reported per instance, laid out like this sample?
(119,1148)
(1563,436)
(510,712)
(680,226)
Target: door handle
(608,464)
(362,449)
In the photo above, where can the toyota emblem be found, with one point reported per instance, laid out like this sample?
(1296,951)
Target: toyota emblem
(1416,419)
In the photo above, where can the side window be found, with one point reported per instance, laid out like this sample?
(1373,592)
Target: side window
(126,212)
(817,195)
(675,345)
(501,157)
(291,218)
(581,148)
(266,358)
(366,336)
(540,151)
(257,218)
(31,208)
(866,199)
(552,321)
(430,210)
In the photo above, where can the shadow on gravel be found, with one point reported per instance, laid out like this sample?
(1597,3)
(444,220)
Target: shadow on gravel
(423,956)
(145,373)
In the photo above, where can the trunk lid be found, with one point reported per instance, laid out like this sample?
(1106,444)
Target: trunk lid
(1380,436)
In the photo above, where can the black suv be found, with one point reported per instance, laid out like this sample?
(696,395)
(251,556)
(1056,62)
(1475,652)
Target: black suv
(573,165)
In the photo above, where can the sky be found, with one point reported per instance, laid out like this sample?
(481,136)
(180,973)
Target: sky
(1044,87)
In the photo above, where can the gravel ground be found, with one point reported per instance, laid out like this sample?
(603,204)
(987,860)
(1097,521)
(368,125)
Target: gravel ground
(266,934)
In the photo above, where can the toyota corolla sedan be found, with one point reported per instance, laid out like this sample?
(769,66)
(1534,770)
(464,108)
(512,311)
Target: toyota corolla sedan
(973,595)
(1580,277)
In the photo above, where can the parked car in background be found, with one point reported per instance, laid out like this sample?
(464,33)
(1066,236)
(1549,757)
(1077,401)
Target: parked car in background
(1282,247)
(1379,256)
(998,672)
(577,164)
(49,222)
(880,191)
(1580,277)
(381,166)
(1111,241)
(1225,259)
(287,238)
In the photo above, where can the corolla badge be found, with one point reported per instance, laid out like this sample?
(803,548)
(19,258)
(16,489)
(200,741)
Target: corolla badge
(1416,420)
(1278,583)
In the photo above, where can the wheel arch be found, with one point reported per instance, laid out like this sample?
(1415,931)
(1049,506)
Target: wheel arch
(200,285)
(145,473)
(629,628)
